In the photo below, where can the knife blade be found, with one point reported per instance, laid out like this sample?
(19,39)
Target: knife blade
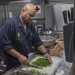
(35,66)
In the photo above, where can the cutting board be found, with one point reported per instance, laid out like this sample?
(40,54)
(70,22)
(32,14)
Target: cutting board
(49,70)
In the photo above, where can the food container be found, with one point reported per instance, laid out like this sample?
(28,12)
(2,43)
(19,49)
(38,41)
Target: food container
(47,40)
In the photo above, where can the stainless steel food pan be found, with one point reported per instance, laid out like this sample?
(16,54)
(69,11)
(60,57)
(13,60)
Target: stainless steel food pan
(47,40)
(19,73)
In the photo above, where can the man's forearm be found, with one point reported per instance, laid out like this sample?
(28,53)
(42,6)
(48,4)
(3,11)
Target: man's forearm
(45,52)
(21,58)
(42,49)
(14,53)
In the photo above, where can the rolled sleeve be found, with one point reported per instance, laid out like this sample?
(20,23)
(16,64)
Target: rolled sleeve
(6,42)
(38,43)
(7,47)
(36,39)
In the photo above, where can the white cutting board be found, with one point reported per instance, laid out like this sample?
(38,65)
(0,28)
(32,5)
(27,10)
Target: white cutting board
(49,70)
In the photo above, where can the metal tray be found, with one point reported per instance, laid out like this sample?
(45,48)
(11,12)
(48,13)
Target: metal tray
(19,73)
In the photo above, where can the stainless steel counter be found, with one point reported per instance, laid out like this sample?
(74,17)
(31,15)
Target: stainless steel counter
(21,69)
(17,69)
(63,67)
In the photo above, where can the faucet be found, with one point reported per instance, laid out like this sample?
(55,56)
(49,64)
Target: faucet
(48,31)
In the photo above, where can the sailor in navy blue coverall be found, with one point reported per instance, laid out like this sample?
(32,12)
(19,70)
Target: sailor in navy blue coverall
(17,36)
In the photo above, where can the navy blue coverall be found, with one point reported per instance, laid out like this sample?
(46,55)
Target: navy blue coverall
(14,36)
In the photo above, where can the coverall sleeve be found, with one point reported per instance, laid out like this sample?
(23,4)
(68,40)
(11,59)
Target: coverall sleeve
(6,37)
(36,40)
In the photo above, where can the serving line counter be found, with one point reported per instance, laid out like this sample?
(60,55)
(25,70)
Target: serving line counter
(65,67)
(58,66)
(48,70)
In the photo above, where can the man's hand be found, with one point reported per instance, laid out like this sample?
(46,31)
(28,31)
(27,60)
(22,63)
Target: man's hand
(47,56)
(23,60)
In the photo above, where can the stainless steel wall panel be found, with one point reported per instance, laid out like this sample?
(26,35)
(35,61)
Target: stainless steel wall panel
(14,8)
(58,12)
(2,14)
(62,0)
(54,15)
(41,5)
(49,16)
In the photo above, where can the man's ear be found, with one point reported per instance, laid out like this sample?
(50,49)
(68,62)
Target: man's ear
(23,10)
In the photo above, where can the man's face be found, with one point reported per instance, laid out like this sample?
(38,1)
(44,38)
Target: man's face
(28,15)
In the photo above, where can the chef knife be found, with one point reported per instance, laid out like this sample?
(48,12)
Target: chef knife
(35,66)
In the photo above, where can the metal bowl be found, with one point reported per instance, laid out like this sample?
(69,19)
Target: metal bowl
(47,40)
